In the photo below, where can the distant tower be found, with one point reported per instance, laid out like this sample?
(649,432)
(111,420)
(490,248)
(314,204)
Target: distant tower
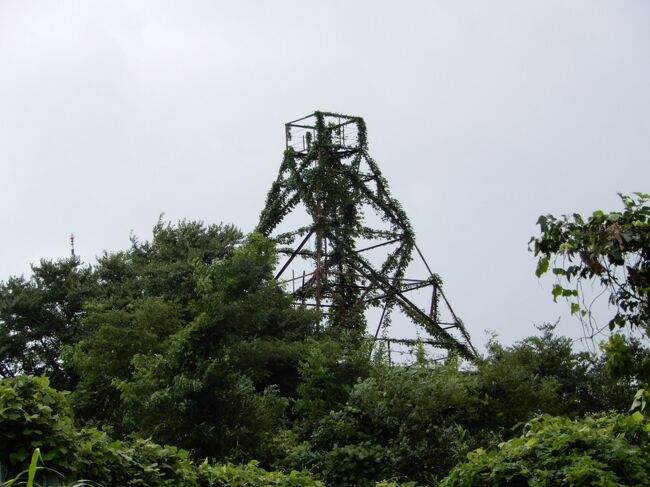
(72,245)
(355,242)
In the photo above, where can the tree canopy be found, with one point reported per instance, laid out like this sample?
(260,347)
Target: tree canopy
(611,248)
(188,340)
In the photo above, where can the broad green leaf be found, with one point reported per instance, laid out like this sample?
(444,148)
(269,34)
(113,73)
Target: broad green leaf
(542,266)
(638,417)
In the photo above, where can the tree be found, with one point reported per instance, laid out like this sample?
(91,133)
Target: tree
(543,374)
(205,393)
(165,266)
(611,248)
(399,422)
(329,369)
(39,316)
(112,337)
(415,422)
(145,295)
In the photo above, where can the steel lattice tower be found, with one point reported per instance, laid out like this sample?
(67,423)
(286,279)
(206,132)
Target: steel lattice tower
(358,241)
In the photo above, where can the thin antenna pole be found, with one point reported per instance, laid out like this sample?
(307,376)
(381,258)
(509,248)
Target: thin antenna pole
(72,245)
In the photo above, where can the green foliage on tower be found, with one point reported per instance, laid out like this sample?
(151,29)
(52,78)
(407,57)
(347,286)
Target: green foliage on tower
(333,183)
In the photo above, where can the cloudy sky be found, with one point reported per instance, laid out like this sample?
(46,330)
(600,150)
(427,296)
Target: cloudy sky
(482,116)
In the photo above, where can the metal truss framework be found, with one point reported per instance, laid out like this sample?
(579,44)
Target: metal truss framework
(359,242)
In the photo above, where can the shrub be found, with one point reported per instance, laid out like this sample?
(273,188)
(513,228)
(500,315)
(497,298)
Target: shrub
(250,475)
(34,416)
(405,423)
(599,450)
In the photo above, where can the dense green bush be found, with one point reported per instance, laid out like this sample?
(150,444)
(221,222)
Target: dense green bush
(600,450)
(403,423)
(543,374)
(188,340)
(204,393)
(414,423)
(329,370)
(399,422)
(33,415)
(250,475)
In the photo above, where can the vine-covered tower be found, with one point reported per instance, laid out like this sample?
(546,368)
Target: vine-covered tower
(352,248)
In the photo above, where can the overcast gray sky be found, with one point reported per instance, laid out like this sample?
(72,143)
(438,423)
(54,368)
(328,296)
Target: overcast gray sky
(482,116)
